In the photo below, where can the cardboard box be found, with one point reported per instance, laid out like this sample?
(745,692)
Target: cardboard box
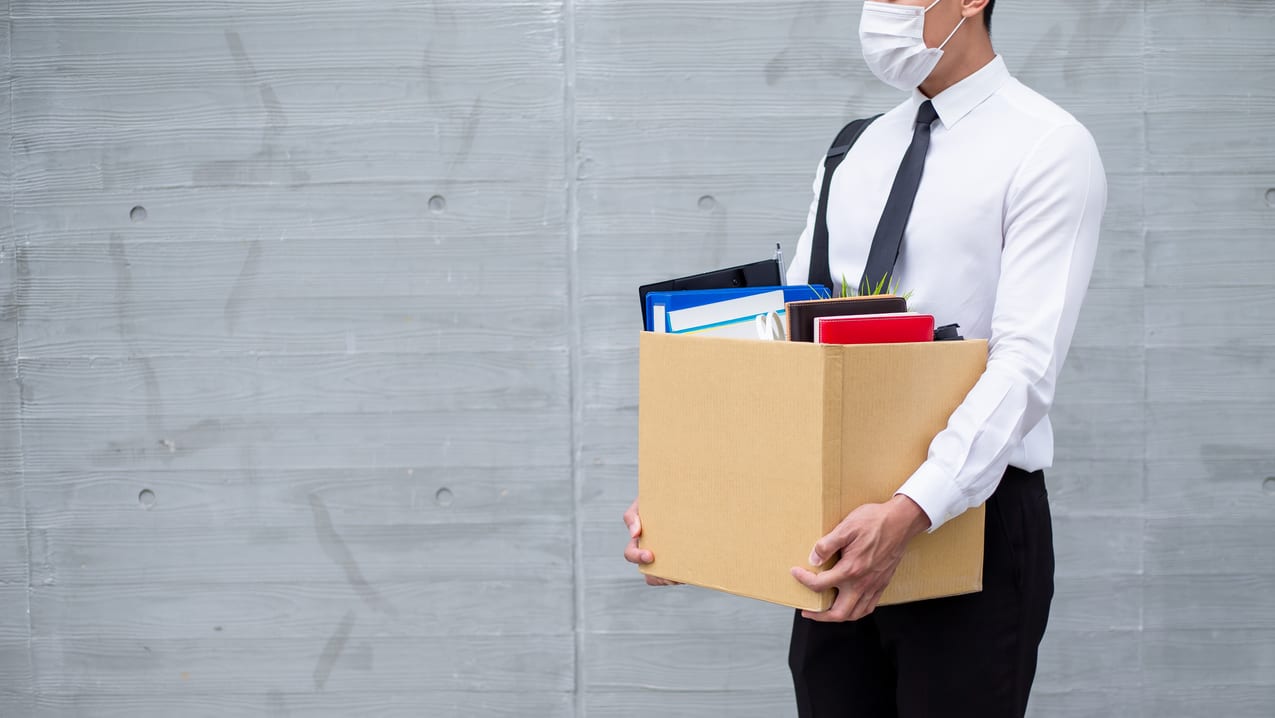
(750,451)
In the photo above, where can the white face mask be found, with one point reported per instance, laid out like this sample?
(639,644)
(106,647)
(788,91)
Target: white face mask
(893,40)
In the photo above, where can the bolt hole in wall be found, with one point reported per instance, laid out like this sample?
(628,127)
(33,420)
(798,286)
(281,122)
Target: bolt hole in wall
(146,499)
(437,204)
(707,202)
(444,497)
(1269,486)
(1270,197)
(137,214)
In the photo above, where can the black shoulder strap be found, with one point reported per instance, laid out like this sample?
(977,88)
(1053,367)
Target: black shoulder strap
(820,273)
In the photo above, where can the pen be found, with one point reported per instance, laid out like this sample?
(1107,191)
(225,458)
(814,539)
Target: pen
(779,258)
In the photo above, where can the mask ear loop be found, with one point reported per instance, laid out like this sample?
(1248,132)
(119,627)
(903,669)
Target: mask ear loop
(949,37)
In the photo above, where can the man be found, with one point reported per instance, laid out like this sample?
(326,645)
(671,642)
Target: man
(1001,232)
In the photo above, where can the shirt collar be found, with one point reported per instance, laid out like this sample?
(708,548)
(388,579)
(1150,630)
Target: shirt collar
(957,101)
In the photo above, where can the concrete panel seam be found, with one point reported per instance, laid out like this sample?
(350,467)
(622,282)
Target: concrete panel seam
(1142,544)
(17,378)
(574,380)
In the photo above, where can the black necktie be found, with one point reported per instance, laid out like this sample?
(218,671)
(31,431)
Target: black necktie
(898,208)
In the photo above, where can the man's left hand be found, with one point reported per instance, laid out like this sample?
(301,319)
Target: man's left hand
(871,541)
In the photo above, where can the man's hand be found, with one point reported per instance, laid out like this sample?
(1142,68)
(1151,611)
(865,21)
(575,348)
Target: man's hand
(871,541)
(634,554)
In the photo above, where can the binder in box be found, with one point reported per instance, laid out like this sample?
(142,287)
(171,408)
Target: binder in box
(663,308)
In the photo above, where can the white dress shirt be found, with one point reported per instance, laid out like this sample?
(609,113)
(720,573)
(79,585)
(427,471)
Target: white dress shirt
(1001,240)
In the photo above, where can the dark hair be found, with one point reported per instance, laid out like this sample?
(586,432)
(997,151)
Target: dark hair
(987,14)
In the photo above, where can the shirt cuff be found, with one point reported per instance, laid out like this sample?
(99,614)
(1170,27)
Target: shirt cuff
(936,493)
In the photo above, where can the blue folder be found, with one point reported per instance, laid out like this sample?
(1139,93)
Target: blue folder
(673,301)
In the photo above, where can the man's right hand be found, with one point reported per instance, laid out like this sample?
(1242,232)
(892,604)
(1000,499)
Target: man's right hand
(635,554)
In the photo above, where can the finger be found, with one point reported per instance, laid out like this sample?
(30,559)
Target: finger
(824,580)
(817,582)
(829,545)
(633,521)
(634,554)
(840,610)
(653,581)
(866,605)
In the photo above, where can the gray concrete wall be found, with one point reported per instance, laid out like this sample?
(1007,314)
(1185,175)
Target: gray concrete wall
(317,350)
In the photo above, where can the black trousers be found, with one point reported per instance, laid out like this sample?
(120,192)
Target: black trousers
(971,655)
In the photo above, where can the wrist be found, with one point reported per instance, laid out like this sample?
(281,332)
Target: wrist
(910,515)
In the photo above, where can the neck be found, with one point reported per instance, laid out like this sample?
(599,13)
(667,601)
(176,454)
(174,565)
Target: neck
(957,65)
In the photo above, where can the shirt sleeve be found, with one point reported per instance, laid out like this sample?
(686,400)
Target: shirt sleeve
(799,271)
(1054,208)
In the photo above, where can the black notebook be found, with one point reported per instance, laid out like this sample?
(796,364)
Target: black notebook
(801,315)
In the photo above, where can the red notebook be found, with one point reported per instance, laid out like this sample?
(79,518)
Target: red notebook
(903,327)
